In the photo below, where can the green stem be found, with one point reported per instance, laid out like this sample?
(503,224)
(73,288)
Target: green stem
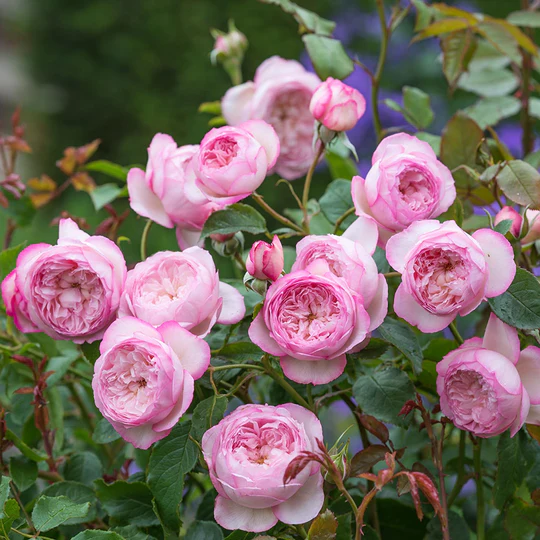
(526,123)
(144,239)
(460,481)
(276,215)
(85,413)
(342,218)
(378,73)
(283,383)
(455,333)
(307,184)
(391,274)
(241,366)
(480,510)
(301,531)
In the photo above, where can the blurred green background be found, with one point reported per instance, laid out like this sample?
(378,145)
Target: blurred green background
(121,71)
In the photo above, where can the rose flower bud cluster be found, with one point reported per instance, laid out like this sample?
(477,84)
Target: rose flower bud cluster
(336,105)
(280,94)
(406,183)
(488,386)
(70,291)
(248,453)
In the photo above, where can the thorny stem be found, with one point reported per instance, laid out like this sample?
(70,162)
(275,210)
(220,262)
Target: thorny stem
(455,333)
(307,184)
(144,239)
(10,229)
(480,510)
(362,510)
(376,79)
(276,215)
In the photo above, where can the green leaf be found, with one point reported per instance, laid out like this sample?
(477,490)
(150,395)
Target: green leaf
(489,83)
(8,259)
(4,490)
(91,351)
(457,50)
(132,533)
(98,535)
(424,14)
(529,19)
(401,336)
(129,502)
(460,141)
(433,140)
(490,111)
(171,459)
(328,56)
(241,535)
(534,108)
(503,226)
(49,512)
(60,365)
(457,525)
(533,159)
(104,433)
(10,513)
(324,527)
(486,56)
(77,493)
(23,471)
(204,530)
(511,469)
(207,414)
(234,218)
(440,27)
(501,40)
(337,200)
(522,520)
(30,453)
(417,106)
(84,467)
(105,194)
(340,166)
(109,168)
(383,394)
(520,182)
(344,524)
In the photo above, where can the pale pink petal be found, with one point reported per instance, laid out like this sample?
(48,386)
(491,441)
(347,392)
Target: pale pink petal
(259,334)
(125,328)
(501,338)
(232,516)
(192,351)
(359,197)
(534,415)
(266,136)
(407,308)
(180,407)
(144,201)
(236,103)
(311,423)
(400,143)
(142,437)
(499,258)
(233,309)
(304,505)
(528,367)
(187,238)
(13,307)
(30,253)
(69,230)
(364,231)
(313,371)
(378,308)
(523,413)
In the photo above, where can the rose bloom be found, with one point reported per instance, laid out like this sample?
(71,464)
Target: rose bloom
(487,386)
(279,94)
(232,162)
(162,195)
(182,287)
(507,212)
(265,261)
(310,319)
(406,183)
(446,272)
(69,291)
(336,105)
(143,380)
(247,455)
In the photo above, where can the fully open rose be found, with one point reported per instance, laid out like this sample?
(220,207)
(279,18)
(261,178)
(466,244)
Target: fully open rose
(247,455)
(446,272)
(69,291)
(182,287)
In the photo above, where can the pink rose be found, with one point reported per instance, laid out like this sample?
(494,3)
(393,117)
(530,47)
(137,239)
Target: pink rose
(247,455)
(336,105)
(310,320)
(279,94)
(533,234)
(143,380)
(166,192)
(507,212)
(265,261)
(182,287)
(350,257)
(486,386)
(69,291)
(232,162)
(446,272)
(405,184)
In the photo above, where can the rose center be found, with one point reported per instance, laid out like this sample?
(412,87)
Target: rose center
(220,152)
(416,189)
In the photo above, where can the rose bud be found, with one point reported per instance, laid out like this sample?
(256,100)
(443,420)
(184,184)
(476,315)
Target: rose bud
(533,223)
(228,46)
(265,261)
(336,105)
(507,212)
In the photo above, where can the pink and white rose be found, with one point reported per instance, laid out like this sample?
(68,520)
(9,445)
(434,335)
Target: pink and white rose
(247,455)
(144,379)
(446,272)
(182,287)
(507,212)
(280,94)
(166,192)
(265,261)
(310,319)
(487,386)
(406,183)
(336,105)
(68,291)
(232,162)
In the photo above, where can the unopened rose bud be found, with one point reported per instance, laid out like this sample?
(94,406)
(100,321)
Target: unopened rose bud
(507,212)
(265,261)
(336,105)
(229,46)
(533,224)
(228,244)
(221,237)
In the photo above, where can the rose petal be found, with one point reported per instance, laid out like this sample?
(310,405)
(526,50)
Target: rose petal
(125,328)
(266,136)
(528,367)
(233,309)
(501,338)
(258,333)
(364,231)
(304,505)
(313,371)
(232,516)
(236,103)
